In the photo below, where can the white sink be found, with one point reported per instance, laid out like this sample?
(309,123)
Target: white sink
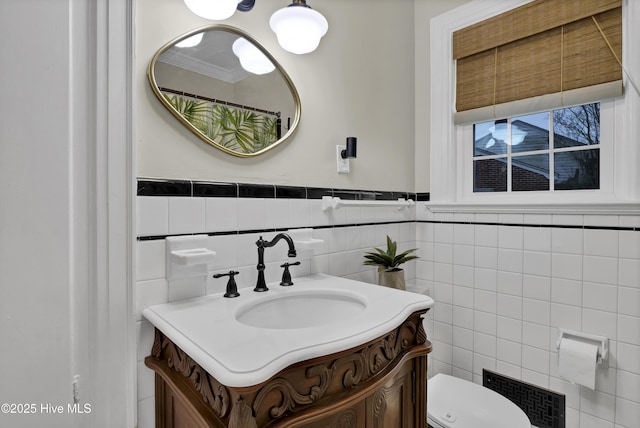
(300,309)
(247,340)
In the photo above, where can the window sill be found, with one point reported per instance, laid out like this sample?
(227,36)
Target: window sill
(603,208)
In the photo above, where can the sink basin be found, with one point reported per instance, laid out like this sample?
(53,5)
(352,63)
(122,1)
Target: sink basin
(247,340)
(301,310)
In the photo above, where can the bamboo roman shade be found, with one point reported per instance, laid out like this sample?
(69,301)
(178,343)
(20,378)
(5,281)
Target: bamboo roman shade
(543,55)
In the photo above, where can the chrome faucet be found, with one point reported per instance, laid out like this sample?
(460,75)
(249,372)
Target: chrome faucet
(261,285)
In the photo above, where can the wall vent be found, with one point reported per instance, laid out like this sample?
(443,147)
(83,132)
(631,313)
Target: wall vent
(545,408)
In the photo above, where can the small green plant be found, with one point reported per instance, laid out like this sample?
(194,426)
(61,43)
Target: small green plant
(388,260)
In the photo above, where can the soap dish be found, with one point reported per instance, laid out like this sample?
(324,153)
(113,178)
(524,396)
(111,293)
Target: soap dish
(196,256)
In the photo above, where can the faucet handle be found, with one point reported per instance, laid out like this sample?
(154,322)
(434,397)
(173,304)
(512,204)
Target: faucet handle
(232,287)
(286,275)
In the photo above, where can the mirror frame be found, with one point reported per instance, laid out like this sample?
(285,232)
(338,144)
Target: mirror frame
(154,86)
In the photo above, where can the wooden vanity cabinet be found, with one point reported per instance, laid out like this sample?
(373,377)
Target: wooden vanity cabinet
(380,384)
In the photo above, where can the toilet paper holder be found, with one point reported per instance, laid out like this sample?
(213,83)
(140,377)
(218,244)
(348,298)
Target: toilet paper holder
(601,341)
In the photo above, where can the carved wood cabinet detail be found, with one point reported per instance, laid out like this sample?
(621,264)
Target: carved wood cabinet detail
(380,384)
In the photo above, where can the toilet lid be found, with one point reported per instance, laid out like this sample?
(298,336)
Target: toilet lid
(456,403)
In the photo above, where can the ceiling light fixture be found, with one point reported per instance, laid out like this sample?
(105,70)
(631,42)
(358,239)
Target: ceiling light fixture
(216,10)
(298,27)
(251,58)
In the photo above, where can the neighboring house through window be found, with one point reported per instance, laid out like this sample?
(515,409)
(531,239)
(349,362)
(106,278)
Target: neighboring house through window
(522,154)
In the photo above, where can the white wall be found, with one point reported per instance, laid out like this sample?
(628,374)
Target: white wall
(359,82)
(424,11)
(36,240)
(61,279)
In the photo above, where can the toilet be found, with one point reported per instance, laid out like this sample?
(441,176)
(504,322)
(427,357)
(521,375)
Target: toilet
(456,403)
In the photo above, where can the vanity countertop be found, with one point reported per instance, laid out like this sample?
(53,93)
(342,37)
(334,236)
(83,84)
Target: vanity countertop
(212,330)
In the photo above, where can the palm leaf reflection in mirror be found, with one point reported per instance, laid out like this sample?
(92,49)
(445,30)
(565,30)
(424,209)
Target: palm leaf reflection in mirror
(239,129)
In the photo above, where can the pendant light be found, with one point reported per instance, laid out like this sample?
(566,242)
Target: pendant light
(251,58)
(216,10)
(298,27)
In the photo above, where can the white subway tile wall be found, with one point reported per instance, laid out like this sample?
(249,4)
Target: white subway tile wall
(503,284)
(340,254)
(515,280)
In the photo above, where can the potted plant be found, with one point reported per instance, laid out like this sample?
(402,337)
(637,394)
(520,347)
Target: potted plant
(389,274)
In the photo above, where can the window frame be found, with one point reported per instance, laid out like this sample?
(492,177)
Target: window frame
(451,168)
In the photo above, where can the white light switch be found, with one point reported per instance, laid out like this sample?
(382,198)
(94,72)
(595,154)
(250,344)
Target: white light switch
(343,164)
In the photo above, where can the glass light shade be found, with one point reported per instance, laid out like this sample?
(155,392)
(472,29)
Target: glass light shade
(216,10)
(251,58)
(190,41)
(298,28)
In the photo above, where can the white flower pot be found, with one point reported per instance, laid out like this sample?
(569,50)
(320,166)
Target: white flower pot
(392,279)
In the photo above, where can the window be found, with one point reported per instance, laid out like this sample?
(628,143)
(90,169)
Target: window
(451,153)
(548,151)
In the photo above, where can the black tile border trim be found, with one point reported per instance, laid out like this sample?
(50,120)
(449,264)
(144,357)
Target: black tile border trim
(338,226)
(256,190)
(291,192)
(214,190)
(555,226)
(269,230)
(318,192)
(211,189)
(165,188)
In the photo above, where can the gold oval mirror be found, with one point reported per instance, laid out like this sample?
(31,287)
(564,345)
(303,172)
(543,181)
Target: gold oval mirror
(226,89)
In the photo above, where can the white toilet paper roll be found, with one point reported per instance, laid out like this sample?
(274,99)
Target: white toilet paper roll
(578,362)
